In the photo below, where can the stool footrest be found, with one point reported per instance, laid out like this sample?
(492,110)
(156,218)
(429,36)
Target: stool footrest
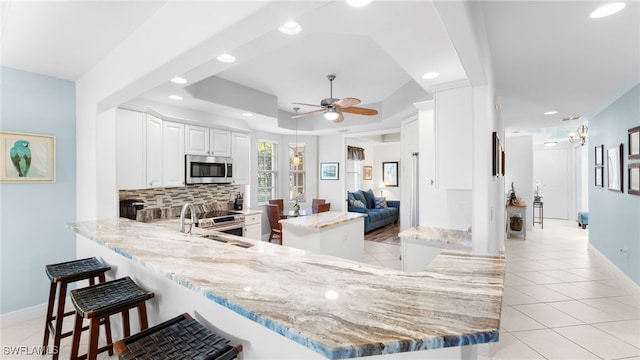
(180,337)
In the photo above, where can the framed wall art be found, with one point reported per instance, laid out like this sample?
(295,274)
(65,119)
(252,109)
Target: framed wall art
(390,173)
(614,168)
(27,157)
(598,155)
(367,173)
(496,155)
(634,179)
(598,176)
(329,171)
(634,143)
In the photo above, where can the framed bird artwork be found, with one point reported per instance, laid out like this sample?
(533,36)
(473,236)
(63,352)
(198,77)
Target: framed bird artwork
(27,157)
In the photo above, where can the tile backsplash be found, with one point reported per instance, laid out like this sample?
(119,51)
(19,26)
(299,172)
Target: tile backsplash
(161,203)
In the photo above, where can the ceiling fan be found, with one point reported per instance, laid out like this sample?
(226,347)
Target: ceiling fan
(333,108)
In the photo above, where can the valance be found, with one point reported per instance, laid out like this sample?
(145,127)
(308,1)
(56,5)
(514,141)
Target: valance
(355,153)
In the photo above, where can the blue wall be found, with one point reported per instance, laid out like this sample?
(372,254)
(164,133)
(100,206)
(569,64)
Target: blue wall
(614,217)
(32,216)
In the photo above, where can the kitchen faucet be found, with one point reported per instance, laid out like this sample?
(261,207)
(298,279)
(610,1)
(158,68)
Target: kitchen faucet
(193,217)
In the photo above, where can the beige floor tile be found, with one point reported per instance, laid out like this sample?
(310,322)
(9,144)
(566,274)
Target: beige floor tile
(538,277)
(618,310)
(509,347)
(583,312)
(512,296)
(547,315)
(513,320)
(553,346)
(598,342)
(628,331)
(572,291)
(542,293)
(512,279)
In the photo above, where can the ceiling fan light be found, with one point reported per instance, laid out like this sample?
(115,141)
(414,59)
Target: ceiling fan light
(296,161)
(358,3)
(331,114)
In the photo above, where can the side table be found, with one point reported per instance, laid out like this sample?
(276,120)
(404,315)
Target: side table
(539,217)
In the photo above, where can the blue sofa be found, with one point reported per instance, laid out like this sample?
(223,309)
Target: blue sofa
(376,217)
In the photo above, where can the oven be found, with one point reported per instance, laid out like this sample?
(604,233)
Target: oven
(223,221)
(208,169)
(236,229)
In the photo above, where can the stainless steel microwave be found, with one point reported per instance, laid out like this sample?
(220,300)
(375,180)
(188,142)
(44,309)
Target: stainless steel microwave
(208,169)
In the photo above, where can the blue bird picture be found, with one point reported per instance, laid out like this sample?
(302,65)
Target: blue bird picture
(21,157)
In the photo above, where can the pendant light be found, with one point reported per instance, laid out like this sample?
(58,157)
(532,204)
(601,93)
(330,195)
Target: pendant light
(296,158)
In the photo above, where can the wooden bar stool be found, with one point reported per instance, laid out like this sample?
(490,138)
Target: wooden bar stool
(62,274)
(100,301)
(179,338)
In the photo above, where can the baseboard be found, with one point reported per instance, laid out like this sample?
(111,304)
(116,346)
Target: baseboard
(619,273)
(22,315)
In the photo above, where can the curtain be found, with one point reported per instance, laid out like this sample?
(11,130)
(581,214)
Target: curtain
(355,153)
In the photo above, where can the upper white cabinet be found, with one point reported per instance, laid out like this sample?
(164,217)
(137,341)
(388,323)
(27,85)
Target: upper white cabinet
(201,140)
(172,154)
(241,151)
(149,151)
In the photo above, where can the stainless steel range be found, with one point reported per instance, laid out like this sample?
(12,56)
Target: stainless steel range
(222,220)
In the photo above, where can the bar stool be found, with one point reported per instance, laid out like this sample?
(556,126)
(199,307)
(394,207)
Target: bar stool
(100,301)
(179,338)
(62,274)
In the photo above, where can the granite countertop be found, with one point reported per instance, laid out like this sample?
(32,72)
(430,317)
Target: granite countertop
(439,237)
(336,307)
(322,220)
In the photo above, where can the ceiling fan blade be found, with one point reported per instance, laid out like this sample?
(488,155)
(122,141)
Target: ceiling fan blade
(360,111)
(308,105)
(347,102)
(340,116)
(307,113)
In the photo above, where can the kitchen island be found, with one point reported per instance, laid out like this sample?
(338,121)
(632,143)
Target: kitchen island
(287,303)
(334,233)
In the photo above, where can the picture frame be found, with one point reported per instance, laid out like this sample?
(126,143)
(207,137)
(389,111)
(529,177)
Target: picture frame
(598,176)
(390,173)
(634,143)
(634,179)
(367,173)
(599,150)
(28,158)
(502,163)
(614,168)
(496,154)
(329,171)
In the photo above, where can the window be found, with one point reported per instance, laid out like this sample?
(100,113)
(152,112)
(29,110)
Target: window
(267,174)
(297,173)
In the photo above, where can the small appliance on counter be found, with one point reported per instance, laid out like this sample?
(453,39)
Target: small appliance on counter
(130,207)
(237,204)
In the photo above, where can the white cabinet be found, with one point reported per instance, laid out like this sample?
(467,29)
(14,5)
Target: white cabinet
(201,140)
(241,151)
(131,168)
(417,255)
(253,226)
(172,154)
(153,151)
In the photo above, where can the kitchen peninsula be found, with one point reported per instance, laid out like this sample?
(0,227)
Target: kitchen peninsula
(286,303)
(334,233)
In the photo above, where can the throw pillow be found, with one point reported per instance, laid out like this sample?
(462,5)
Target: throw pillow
(381,203)
(369,196)
(357,203)
(358,195)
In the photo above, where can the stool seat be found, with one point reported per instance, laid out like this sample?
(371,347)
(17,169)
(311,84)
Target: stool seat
(97,303)
(61,274)
(179,338)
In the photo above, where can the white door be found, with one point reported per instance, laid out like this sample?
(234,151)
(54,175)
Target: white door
(154,151)
(172,154)
(196,140)
(551,168)
(240,151)
(220,142)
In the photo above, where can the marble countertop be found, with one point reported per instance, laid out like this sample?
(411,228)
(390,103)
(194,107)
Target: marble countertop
(439,237)
(322,220)
(247,211)
(336,307)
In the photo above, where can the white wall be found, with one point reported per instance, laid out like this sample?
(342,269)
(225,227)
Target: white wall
(519,171)
(385,153)
(332,148)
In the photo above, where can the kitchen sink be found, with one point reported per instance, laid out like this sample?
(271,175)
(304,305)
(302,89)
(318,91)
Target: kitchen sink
(217,238)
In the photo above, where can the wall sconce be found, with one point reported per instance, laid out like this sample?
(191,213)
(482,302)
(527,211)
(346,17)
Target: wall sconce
(580,135)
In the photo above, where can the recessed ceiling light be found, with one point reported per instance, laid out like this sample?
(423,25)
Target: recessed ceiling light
(430,75)
(226,58)
(247,114)
(290,28)
(550,143)
(175,97)
(607,10)
(551,112)
(358,3)
(179,80)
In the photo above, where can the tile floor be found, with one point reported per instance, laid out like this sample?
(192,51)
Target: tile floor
(560,302)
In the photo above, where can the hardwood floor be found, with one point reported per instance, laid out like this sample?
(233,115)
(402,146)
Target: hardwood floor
(387,234)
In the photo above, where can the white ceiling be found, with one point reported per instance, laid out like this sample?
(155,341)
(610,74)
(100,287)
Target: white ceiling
(547,55)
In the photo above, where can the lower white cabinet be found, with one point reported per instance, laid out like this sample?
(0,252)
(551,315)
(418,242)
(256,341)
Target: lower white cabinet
(253,226)
(416,254)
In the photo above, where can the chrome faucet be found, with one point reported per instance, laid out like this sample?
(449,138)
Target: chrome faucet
(193,217)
